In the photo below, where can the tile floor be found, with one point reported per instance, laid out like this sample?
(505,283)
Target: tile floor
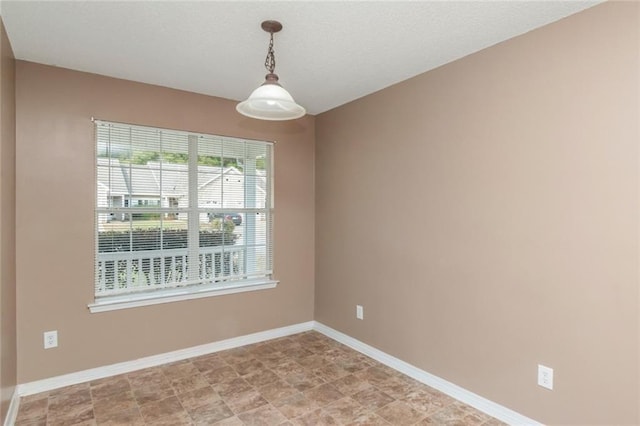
(304,379)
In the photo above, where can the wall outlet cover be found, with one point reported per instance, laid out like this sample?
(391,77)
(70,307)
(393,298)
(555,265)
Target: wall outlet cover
(50,339)
(545,376)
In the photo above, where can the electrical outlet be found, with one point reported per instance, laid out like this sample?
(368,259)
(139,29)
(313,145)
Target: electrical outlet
(50,339)
(359,312)
(545,377)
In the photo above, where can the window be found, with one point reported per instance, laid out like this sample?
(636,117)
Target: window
(179,215)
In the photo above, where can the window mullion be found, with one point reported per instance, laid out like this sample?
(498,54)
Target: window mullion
(194,213)
(250,218)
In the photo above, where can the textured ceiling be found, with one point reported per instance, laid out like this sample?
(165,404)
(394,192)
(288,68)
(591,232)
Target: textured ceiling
(329,53)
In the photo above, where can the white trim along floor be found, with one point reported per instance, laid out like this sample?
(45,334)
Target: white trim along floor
(482,404)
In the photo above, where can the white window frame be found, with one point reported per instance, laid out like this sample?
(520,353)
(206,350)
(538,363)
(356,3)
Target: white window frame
(194,287)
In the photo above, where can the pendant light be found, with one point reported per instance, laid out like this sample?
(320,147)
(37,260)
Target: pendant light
(271,101)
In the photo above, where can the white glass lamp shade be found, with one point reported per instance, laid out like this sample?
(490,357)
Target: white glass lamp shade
(270,102)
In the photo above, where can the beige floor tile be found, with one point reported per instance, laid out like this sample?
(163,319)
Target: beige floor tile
(303,381)
(372,398)
(323,395)
(189,383)
(33,409)
(153,393)
(130,417)
(222,374)
(345,410)
(400,413)
(266,415)
(179,369)
(247,367)
(40,421)
(427,401)
(231,421)
(105,388)
(350,385)
(295,405)
(198,398)
(261,377)
(114,403)
(279,389)
(208,362)
(168,411)
(369,419)
(270,360)
(318,417)
(210,413)
(70,405)
(245,401)
(232,387)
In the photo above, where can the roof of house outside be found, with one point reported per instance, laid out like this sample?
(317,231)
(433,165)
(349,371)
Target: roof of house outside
(146,180)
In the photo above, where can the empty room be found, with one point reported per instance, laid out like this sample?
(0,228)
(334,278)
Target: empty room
(320,213)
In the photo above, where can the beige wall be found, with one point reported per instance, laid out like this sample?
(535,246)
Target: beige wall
(486,215)
(7,223)
(55,201)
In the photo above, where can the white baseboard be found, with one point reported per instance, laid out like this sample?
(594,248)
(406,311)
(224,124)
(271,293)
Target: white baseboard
(489,407)
(12,412)
(152,361)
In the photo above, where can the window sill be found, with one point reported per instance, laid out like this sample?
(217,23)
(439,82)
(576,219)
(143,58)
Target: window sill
(112,303)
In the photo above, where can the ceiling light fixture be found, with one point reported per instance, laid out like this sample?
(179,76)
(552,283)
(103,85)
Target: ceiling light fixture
(271,101)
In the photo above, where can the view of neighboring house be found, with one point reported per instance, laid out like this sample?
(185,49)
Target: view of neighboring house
(142,185)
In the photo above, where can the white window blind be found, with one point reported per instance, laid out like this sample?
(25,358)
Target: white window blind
(179,209)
